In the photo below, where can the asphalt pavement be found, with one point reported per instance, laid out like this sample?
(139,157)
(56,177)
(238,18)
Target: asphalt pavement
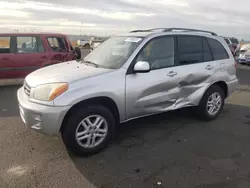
(171,150)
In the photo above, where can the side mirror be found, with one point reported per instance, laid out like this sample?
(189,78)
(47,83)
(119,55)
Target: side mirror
(78,53)
(142,66)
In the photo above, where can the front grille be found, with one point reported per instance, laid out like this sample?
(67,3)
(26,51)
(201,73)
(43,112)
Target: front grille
(26,89)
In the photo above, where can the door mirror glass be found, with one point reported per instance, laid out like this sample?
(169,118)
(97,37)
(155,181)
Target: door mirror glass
(142,66)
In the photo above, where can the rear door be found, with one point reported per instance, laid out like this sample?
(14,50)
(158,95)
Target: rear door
(59,49)
(29,55)
(7,63)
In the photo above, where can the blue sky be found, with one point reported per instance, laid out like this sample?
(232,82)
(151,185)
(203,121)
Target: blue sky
(105,17)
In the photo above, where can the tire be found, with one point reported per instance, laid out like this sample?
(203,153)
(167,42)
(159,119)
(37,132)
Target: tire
(72,125)
(202,110)
(87,46)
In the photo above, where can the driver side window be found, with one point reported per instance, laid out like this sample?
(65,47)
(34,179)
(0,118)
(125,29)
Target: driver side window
(57,44)
(159,53)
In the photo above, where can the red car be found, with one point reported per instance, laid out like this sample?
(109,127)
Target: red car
(22,53)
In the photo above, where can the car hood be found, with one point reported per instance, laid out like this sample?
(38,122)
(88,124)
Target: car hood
(63,72)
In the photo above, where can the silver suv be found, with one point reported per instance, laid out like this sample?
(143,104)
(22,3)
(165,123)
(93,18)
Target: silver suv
(128,76)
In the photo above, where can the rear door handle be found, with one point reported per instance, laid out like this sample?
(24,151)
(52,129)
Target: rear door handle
(172,73)
(209,67)
(5,58)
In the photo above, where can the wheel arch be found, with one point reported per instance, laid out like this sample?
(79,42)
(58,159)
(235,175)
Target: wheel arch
(104,101)
(221,84)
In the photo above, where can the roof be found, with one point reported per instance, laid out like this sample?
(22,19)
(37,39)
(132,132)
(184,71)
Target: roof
(32,34)
(147,32)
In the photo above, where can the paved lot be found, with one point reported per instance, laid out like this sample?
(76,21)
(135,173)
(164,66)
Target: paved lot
(169,150)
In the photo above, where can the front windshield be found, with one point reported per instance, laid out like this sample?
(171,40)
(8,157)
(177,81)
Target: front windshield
(114,52)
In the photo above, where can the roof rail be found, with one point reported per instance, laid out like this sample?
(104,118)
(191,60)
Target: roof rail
(186,29)
(140,30)
(146,30)
(173,29)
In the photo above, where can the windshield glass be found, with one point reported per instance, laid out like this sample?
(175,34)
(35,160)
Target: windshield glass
(114,52)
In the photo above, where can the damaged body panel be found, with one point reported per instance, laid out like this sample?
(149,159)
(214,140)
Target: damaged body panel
(160,92)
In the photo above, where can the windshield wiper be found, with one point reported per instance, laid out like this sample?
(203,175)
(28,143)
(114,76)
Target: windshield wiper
(90,62)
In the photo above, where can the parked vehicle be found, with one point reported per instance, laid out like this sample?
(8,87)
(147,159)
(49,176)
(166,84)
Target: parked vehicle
(95,42)
(22,53)
(127,77)
(233,43)
(244,54)
(83,43)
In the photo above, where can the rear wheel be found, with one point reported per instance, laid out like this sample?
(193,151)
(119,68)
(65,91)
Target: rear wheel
(211,103)
(89,130)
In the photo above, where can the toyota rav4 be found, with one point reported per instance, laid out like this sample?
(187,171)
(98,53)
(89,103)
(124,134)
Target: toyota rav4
(128,76)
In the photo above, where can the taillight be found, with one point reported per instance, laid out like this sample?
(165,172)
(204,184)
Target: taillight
(235,64)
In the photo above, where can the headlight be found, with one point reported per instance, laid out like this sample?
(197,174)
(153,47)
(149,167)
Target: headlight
(49,92)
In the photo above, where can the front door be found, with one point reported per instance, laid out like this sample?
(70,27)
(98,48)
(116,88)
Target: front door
(59,49)
(157,90)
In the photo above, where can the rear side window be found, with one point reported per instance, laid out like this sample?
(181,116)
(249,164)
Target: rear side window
(4,45)
(57,44)
(29,44)
(218,51)
(190,49)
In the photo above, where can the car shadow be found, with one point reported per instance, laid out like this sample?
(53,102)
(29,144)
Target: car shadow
(8,101)
(146,149)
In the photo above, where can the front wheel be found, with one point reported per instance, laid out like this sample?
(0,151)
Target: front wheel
(211,103)
(89,130)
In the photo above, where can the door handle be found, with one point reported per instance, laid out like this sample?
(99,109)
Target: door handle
(44,57)
(5,58)
(172,73)
(209,67)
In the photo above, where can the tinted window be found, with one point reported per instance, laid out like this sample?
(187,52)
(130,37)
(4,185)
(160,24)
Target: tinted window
(4,44)
(159,53)
(227,41)
(217,49)
(190,49)
(234,40)
(206,51)
(57,44)
(27,44)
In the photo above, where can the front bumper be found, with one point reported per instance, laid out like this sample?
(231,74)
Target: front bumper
(42,118)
